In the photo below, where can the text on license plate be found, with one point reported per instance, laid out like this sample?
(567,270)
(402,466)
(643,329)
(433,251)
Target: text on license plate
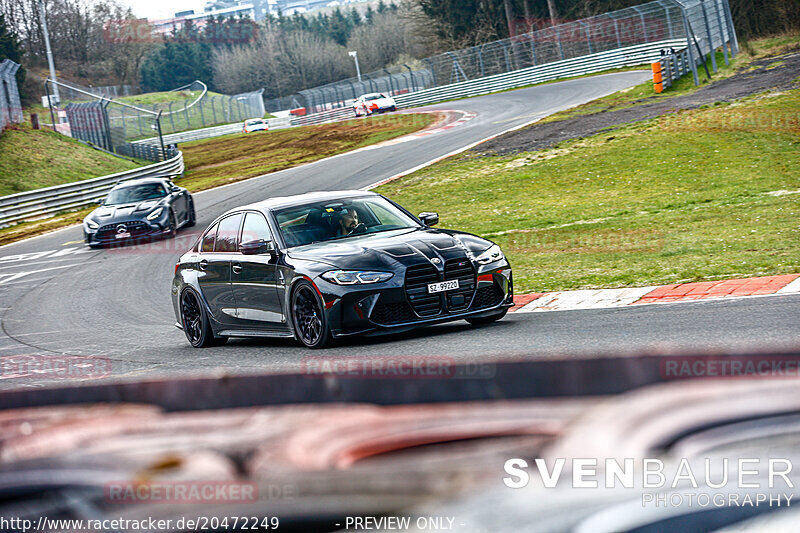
(442,286)
(124,235)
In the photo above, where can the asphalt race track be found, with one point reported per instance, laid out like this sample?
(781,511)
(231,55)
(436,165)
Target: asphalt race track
(57,297)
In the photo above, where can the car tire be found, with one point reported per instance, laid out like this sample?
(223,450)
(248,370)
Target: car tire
(308,316)
(481,320)
(195,322)
(192,215)
(173,224)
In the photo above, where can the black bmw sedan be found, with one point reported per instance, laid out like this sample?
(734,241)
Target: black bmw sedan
(139,209)
(332,264)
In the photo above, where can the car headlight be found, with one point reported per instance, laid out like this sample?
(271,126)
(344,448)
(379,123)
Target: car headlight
(91,224)
(491,255)
(356,277)
(155,214)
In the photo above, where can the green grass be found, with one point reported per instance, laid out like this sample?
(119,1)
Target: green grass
(33,159)
(221,160)
(679,198)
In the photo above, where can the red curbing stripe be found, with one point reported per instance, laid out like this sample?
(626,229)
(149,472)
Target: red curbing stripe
(521,300)
(718,289)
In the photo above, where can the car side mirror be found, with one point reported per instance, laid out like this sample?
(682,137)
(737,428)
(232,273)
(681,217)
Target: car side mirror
(175,188)
(429,219)
(100,201)
(257,247)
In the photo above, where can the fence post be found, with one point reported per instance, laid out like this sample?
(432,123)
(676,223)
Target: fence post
(619,37)
(413,82)
(723,33)
(731,28)
(433,71)
(560,46)
(689,38)
(588,36)
(711,50)
(171,118)
(505,55)
(480,60)
(669,19)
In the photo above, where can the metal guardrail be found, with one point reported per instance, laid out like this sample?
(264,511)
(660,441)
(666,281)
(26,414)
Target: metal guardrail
(43,202)
(590,64)
(334,115)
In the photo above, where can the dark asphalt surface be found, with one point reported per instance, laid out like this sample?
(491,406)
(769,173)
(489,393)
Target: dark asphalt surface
(57,297)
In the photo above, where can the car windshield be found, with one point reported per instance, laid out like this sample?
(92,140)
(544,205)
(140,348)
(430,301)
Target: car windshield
(339,219)
(373,97)
(136,193)
(254,122)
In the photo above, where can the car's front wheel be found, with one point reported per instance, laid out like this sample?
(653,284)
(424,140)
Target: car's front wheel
(481,320)
(192,215)
(310,322)
(195,322)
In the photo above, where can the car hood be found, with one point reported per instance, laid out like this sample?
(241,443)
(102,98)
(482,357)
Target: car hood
(118,213)
(385,250)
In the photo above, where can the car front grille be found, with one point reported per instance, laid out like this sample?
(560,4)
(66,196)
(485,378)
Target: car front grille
(463,271)
(134,227)
(392,313)
(417,280)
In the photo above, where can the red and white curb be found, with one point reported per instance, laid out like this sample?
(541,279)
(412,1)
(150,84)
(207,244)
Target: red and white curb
(681,292)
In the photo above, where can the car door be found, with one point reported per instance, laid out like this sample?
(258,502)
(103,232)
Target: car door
(215,268)
(254,279)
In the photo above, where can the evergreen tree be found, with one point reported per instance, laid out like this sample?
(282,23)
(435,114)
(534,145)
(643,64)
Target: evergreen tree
(10,49)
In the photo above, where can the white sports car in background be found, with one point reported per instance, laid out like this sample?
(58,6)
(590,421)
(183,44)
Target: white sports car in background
(255,124)
(369,104)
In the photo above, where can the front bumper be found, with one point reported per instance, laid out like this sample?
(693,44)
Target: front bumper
(388,309)
(137,230)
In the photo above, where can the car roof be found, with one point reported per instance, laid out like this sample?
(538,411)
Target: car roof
(140,181)
(300,199)
(371,94)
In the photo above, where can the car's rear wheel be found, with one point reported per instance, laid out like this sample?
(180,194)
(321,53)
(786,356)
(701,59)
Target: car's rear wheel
(195,322)
(481,320)
(310,322)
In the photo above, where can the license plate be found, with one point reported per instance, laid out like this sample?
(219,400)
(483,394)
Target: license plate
(122,235)
(442,286)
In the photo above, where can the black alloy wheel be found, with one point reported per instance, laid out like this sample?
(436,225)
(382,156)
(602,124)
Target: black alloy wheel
(310,322)
(173,224)
(195,322)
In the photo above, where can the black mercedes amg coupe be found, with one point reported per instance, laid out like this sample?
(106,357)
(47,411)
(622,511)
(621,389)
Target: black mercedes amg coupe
(331,264)
(139,209)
